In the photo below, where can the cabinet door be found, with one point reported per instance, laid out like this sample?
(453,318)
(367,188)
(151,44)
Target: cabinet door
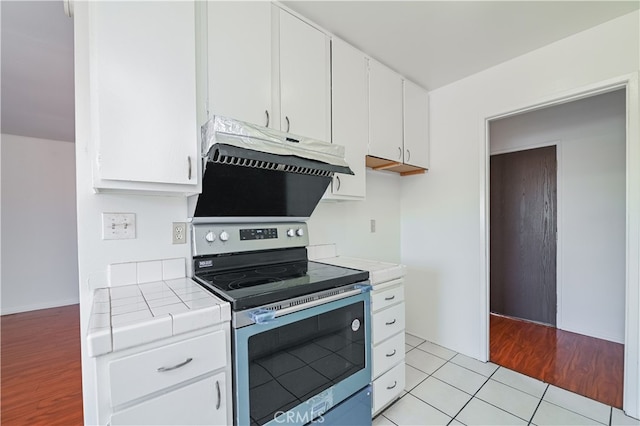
(349,115)
(304,78)
(143,91)
(385,109)
(239,60)
(200,403)
(416,125)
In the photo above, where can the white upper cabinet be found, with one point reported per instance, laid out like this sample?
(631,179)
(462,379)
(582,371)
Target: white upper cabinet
(305,89)
(385,109)
(416,125)
(142,94)
(349,116)
(239,61)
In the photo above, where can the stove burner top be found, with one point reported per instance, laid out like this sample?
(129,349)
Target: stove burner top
(251,287)
(253,281)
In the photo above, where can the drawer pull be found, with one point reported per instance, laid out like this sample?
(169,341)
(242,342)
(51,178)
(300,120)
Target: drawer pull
(182,364)
(189,171)
(267,114)
(390,298)
(391,354)
(219,395)
(395,383)
(391,322)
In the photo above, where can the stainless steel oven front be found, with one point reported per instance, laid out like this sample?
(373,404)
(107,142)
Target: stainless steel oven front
(294,365)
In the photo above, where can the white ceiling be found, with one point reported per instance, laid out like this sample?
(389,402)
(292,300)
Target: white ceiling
(435,43)
(431,42)
(37,70)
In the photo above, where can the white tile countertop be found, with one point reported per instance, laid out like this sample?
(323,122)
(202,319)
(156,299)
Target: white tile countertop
(379,272)
(130,315)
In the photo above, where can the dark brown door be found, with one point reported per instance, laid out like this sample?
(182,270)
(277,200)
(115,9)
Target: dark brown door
(523,234)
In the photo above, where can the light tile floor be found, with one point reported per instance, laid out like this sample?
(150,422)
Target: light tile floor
(447,388)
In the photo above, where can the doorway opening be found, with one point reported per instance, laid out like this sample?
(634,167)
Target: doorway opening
(557,231)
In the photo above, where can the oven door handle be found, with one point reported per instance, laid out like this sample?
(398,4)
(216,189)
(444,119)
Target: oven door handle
(263,316)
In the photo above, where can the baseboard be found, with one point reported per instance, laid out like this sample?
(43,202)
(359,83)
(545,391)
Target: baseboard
(37,306)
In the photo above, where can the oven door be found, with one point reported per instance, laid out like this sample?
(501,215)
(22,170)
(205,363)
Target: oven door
(295,367)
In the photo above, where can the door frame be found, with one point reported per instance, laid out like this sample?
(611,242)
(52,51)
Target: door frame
(631,387)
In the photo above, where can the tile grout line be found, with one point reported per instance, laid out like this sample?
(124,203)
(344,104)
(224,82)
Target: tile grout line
(472,396)
(539,403)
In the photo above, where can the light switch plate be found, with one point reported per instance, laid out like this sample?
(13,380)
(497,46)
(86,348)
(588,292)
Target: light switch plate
(118,226)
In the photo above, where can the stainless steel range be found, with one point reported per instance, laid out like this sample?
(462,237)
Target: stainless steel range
(301,331)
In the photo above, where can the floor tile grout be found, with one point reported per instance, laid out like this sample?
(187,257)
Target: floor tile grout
(484,383)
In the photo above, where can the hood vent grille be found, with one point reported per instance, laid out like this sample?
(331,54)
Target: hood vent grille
(231,160)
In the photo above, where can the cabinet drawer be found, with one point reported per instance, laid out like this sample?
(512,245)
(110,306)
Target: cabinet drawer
(141,374)
(200,403)
(388,322)
(386,298)
(388,387)
(387,354)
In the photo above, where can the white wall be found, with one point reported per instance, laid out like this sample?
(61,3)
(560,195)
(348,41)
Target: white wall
(442,210)
(39,250)
(590,138)
(347,223)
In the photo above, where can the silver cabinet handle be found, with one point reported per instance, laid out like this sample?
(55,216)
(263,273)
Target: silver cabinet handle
(288,123)
(266,112)
(189,163)
(408,155)
(390,298)
(395,383)
(391,323)
(391,354)
(219,395)
(182,364)
(399,152)
(338,185)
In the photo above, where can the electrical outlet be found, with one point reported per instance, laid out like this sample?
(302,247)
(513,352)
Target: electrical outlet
(179,233)
(118,226)
(373,225)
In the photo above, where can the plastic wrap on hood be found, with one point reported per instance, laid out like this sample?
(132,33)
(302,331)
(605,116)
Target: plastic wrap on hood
(222,133)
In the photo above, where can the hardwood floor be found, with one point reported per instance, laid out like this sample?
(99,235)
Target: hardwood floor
(584,365)
(41,381)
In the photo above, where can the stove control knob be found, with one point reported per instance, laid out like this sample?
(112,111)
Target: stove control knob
(300,232)
(210,237)
(291,233)
(224,236)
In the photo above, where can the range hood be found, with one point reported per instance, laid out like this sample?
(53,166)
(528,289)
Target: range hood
(252,172)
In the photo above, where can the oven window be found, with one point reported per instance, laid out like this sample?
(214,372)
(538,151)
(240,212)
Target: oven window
(290,364)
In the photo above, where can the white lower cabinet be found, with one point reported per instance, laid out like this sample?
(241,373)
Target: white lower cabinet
(181,380)
(387,330)
(200,403)
(387,388)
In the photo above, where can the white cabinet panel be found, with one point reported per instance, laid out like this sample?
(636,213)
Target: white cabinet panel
(416,125)
(382,299)
(349,115)
(200,403)
(387,322)
(387,354)
(190,358)
(388,387)
(304,78)
(143,92)
(385,109)
(239,60)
